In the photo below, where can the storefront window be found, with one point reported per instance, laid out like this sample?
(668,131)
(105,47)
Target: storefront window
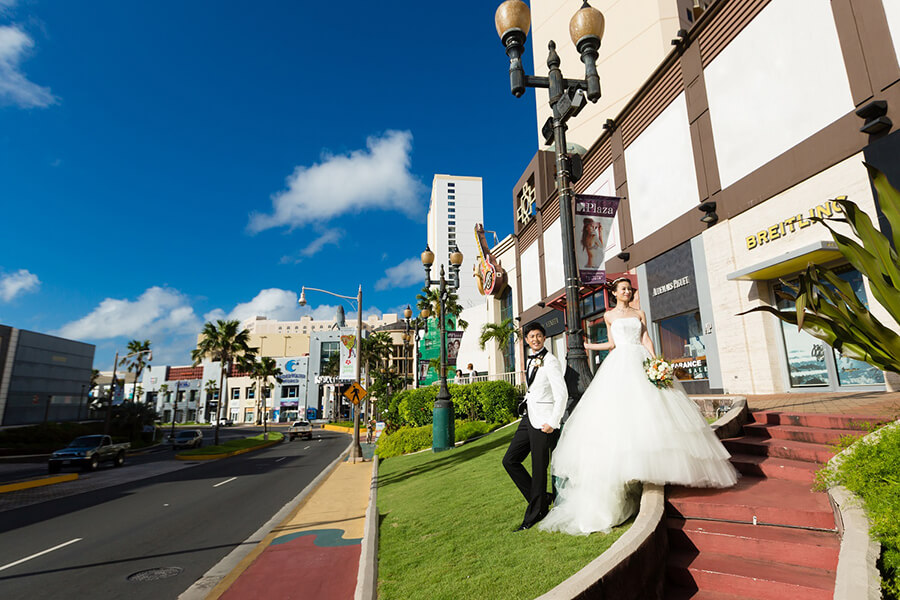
(681,338)
(807,355)
(596,333)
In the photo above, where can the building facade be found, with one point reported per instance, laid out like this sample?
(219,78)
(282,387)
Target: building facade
(43,377)
(755,111)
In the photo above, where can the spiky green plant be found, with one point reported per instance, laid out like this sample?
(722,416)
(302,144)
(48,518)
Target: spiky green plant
(826,306)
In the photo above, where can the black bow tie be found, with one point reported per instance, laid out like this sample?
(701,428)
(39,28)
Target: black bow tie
(538,355)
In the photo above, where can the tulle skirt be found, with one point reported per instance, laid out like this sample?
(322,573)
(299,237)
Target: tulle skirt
(626,430)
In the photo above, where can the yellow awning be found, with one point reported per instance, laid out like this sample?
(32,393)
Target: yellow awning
(819,253)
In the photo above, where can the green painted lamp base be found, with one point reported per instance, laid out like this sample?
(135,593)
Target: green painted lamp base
(443,434)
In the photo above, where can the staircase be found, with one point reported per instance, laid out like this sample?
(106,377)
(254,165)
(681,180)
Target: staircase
(769,537)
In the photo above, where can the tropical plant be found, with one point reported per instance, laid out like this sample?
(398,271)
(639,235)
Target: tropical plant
(225,342)
(262,371)
(164,391)
(332,366)
(826,306)
(502,333)
(430,298)
(95,375)
(136,363)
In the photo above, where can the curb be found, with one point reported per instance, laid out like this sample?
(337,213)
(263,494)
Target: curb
(339,429)
(227,454)
(857,575)
(33,483)
(367,577)
(215,581)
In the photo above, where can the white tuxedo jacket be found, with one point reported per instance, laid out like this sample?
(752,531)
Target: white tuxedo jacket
(547,395)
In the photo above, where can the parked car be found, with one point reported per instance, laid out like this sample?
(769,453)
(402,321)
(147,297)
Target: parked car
(225,422)
(87,452)
(188,438)
(300,429)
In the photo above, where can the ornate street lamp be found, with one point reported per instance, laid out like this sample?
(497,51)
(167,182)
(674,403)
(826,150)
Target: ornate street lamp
(567,98)
(443,435)
(407,339)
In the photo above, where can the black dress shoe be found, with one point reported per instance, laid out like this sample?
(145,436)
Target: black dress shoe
(522,527)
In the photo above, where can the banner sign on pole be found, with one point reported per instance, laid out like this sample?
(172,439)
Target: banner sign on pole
(348,357)
(594,219)
(454,338)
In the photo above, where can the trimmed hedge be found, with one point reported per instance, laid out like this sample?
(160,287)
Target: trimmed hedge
(491,401)
(413,439)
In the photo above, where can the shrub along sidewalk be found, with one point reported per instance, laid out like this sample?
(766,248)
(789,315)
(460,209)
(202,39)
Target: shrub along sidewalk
(447,529)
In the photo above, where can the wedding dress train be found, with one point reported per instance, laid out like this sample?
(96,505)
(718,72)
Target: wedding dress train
(625,430)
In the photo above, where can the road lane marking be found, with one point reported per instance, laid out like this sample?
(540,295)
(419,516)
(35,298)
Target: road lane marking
(27,558)
(306,448)
(224,482)
(281,459)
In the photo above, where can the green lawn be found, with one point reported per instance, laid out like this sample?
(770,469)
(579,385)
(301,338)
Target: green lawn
(447,529)
(232,445)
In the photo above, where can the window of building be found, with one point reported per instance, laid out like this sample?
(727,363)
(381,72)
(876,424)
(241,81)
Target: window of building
(451,222)
(289,391)
(236,393)
(451,197)
(682,341)
(180,396)
(251,393)
(451,184)
(248,415)
(193,396)
(329,349)
(451,204)
(451,229)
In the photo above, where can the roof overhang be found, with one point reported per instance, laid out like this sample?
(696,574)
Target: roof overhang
(820,252)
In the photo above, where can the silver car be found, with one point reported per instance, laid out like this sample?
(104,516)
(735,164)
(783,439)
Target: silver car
(188,438)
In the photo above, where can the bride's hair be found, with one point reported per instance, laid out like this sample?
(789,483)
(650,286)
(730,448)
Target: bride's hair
(612,284)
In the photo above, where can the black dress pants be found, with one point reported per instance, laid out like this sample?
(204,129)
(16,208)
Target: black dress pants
(528,440)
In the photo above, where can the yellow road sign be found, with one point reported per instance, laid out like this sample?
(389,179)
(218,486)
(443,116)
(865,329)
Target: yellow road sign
(355,393)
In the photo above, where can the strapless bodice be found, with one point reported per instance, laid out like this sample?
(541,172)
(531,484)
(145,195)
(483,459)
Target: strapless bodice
(627,330)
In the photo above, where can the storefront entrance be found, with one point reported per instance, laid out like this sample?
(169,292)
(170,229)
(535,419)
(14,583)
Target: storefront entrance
(814,366)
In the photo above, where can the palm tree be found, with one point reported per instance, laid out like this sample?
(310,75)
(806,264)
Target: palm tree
(164,391)
(225,342)
(503,334)
(136,363)
(375,352)
(332,366)
(263,370)
(430,299)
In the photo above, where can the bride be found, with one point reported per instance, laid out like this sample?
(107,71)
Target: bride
(626,430)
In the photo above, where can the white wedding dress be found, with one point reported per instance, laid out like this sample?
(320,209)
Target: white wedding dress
(624,430)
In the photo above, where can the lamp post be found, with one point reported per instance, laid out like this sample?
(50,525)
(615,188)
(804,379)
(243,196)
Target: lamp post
(443,435)
(112,386)
(355,448)
(407,338)
(567,98)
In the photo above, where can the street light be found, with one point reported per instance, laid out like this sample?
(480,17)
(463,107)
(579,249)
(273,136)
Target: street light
(112,386)
(355,448)
(407,339)
(567,98)
(443,435)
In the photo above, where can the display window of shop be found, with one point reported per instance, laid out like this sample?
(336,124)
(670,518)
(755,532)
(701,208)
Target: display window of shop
(682,343)
(248,415)
(506,312)
(810,362)
(595,332)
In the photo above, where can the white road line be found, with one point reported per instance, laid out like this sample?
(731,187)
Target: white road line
(27,558)
(281,459)
(306,448)
(224,482)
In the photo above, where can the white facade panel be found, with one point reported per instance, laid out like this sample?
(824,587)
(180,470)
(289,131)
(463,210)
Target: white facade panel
(780,81)
(531,276)
(662,182)
(892,11)
(553,258)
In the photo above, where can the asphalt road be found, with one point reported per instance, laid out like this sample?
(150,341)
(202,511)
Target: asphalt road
(181,522)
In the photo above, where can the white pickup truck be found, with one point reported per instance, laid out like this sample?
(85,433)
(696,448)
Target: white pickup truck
(300,429)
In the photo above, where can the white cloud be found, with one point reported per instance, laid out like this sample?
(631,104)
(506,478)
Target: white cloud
(20,282)
(408,273)
(273,303)
(158,310)
(332,236)
(15,89)
(375,178)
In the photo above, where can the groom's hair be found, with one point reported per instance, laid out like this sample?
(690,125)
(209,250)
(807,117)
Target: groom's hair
(531,327)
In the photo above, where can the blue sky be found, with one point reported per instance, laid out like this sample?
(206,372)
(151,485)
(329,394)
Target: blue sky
(165,163)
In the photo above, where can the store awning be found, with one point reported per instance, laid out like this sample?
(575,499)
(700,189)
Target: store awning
(790,262)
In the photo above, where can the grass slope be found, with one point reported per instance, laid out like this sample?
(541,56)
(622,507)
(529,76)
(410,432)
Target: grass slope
(447,524)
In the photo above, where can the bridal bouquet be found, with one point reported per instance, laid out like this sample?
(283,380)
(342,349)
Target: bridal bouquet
(659,372)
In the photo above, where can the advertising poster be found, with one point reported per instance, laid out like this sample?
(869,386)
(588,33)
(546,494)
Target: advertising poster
(594,219)
(348,357)
(454,338)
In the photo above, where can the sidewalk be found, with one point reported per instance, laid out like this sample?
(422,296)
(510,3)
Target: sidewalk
(314,553)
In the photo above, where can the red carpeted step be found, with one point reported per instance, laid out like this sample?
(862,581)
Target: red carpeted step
(771,501)
(674,592)
(802,547)
(752,578)
(812,435)
(825,421)
(778,468)
(777,448)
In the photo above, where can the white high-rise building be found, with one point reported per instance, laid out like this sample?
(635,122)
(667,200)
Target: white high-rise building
(456,206)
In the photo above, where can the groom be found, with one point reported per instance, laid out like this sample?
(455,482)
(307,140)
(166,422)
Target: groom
(538,430)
